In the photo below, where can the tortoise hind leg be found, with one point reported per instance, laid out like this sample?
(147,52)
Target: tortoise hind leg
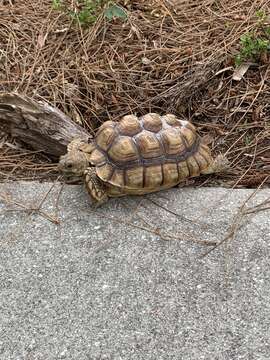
(220,164)
(95,187)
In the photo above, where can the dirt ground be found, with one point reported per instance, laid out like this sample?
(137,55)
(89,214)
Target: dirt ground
(166,57)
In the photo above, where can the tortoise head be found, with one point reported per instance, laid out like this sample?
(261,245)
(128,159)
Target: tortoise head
(73,164)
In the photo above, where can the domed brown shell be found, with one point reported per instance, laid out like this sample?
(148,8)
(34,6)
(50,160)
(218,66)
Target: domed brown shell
(148,153)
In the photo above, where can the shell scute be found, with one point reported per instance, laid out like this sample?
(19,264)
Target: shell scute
(129,125)
(171,120)
(123,150)
(105,135)
(148,145)
(134,177)
(152,122)
(97,157)
(170,172)
(105,172)
(173,142)
(183,170)
(117,178)
(189,135)
(202,161)
(194,168)
(153,176)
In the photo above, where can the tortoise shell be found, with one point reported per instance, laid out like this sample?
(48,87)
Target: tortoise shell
(148,153)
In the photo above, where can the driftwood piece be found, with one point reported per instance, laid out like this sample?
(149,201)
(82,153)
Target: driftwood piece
(38,124)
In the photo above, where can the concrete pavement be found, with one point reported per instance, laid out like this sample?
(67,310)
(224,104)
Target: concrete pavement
(133,280)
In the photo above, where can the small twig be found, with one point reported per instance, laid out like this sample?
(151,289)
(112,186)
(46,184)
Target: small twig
(236,225)
(172,212)
(157,231)
(31,209)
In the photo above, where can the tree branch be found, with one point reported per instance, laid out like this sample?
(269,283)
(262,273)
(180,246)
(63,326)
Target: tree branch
(38,124)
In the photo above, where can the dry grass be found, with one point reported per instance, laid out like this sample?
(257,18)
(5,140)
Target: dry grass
(169,56)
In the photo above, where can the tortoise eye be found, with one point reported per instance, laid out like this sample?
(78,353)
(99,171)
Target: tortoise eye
(69,166)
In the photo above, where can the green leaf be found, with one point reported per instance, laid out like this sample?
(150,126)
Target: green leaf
(56,4)
(261,14)
(267,30)
(238,60)
(115,11)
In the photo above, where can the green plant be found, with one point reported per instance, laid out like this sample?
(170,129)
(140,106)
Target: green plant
(86,12)
(56,4)
(255,44)
(115,11)
(261,15)
(267,30)
(252,46)
(248,140)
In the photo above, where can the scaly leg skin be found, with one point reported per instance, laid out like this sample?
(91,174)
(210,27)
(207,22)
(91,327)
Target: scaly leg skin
(219,165)
(95,188)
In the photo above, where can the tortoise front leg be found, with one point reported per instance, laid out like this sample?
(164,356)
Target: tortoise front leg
(95,187)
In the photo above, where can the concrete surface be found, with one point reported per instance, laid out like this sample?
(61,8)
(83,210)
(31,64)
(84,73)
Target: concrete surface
(97,286)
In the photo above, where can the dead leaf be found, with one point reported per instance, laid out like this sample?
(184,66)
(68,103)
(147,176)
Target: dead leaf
(76,116)
(240,71)
(71,90)
(264,57)
(41,40)
(256,114)
(114,100)
(146,61)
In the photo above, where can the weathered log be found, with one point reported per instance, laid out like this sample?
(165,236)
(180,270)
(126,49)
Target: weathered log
(37,124)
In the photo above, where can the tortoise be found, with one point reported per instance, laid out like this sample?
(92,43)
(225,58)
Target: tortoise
(139,155)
